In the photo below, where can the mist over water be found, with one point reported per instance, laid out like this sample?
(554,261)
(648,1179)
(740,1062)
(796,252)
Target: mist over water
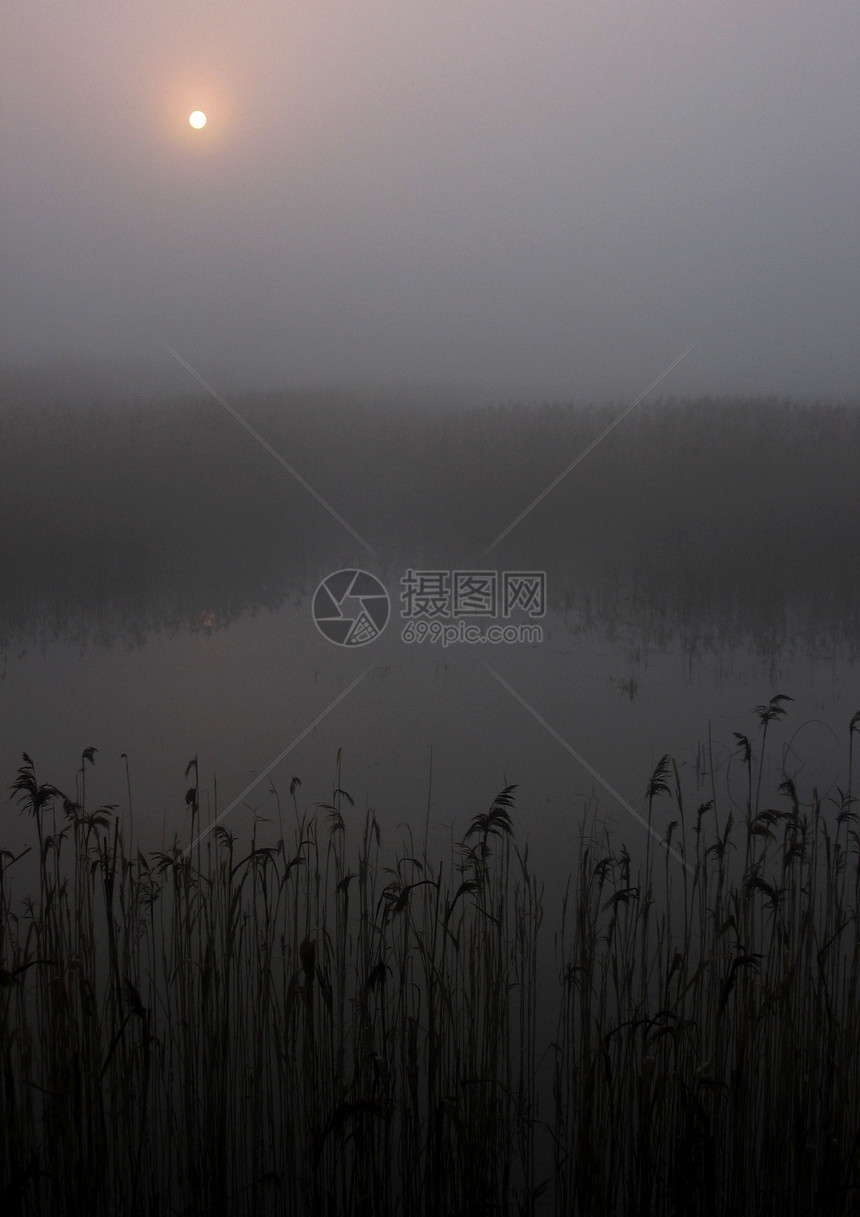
(162,571)
(162,584)
(364,360)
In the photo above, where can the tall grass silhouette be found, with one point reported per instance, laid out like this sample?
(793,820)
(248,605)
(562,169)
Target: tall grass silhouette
(321,1026)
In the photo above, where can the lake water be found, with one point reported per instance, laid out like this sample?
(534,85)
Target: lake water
(428,734)
(161,602)
(159,594)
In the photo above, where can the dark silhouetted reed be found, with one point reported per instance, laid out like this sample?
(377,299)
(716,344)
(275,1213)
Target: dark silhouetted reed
(316,1027)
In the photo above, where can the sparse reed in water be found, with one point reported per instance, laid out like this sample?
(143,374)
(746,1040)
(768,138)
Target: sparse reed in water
(315,1026)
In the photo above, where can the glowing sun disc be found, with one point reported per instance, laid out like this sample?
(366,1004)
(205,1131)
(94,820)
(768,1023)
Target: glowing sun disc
(197,119)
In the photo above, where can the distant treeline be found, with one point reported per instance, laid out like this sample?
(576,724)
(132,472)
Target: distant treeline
(114,505)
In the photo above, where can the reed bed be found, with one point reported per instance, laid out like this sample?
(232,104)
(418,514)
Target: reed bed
(318,1027)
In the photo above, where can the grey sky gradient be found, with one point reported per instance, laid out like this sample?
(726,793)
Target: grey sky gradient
(537,198)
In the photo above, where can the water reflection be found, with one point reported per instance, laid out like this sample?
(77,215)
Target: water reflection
(168,617)
(160,585)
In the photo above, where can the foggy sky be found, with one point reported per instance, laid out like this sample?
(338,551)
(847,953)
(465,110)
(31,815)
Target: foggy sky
(537,198)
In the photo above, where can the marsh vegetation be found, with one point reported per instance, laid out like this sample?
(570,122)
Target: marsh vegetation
(323,1024)
(697,515)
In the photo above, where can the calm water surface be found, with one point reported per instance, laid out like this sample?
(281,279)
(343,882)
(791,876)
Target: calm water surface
(428,735)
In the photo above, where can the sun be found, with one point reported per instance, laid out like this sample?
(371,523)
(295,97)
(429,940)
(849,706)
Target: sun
(197,119)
